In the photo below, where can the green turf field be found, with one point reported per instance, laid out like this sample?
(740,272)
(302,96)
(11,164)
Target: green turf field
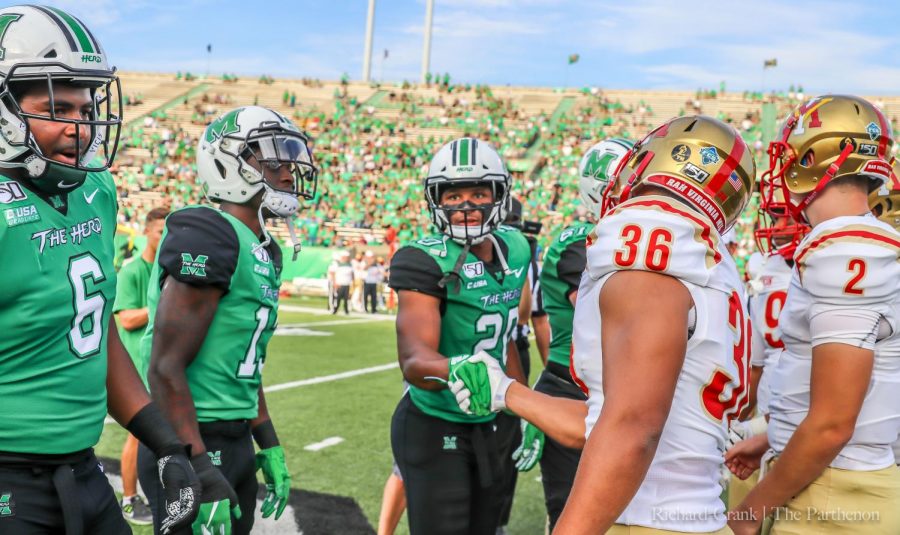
(358,409)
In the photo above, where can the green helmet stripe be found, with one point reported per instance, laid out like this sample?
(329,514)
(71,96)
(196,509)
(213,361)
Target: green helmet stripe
(83,39)
(5,21)
(464,151)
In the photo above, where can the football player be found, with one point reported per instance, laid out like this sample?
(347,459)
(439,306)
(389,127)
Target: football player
(831,454)
(660,340)
(213,303)
(459,292)
(564,263)
(62,364)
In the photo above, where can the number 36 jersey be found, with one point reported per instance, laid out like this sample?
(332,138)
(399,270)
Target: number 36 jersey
(56,297)
(845,289)
(660,234)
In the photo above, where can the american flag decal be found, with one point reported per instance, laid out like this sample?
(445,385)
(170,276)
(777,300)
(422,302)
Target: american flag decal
(735,181)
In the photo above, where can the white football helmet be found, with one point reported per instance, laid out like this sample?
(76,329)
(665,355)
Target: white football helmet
(45,45)
(272,140)
(596,168)
(467,162)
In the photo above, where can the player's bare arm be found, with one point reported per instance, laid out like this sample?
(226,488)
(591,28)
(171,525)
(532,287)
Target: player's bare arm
(623,442)
(559,418)
(823,433)
(125,392)
(184,315)
(418,335)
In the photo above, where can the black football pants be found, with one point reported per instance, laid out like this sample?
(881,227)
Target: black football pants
(450,471)
(30,499)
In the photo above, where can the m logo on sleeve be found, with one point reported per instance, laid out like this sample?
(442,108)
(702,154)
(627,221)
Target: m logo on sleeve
(193,266)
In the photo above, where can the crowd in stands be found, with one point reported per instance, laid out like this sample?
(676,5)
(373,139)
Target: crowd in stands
(373,155)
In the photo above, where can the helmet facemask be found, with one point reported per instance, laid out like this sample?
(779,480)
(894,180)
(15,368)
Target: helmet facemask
(492,214)
(102,127)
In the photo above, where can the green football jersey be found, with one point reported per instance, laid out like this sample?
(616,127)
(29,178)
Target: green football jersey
(201,245)
(561,272)
(481,316)
(131,293)
(56,298)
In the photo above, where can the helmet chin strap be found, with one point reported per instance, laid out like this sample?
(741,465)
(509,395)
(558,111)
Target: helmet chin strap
(283,205)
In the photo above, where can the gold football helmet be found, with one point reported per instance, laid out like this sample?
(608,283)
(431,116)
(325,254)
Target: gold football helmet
(885,203)
(828,137)
(701,160)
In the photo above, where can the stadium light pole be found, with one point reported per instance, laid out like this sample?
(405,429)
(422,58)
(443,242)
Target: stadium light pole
(367,52)
(426,46)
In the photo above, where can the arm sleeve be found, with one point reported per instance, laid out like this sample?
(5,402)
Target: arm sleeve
(413,269)
(201,248)
(127,297)
(571,265)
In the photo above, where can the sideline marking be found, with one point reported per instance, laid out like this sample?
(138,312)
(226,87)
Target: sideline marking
(327,443)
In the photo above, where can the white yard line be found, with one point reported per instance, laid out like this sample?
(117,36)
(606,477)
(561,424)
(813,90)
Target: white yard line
(329,378)
(337,322)
(327,443)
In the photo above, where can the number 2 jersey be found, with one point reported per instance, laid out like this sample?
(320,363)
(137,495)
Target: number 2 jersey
(203,246)
(765,307)
(652,233)
(56,297)
(845,289)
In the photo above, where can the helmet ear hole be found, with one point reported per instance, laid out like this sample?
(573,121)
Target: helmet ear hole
(220,168)
(808,159)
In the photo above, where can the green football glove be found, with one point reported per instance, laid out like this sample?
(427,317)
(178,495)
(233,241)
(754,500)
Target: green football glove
(218,500)
(468,381)
(278,480)
(529,451)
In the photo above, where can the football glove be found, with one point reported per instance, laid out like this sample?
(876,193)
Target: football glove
(218,500)
(181,488)
(487,370)
(529,451)
(469,385)
(278,480)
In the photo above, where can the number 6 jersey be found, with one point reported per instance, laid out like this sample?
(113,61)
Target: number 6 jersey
(660,234)
(845,289)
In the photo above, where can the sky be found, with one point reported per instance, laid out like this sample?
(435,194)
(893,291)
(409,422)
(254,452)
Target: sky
(824,45)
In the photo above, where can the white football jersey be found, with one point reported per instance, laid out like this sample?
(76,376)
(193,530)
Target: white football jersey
(681,490)
(765,306)
(846,289)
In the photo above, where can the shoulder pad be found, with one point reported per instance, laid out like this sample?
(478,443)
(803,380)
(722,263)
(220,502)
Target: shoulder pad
(657,234)
(855,262)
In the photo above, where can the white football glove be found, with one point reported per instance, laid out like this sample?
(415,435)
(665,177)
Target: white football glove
(498,380)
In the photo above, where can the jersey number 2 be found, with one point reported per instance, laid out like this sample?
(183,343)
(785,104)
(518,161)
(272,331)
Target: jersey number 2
(86,333)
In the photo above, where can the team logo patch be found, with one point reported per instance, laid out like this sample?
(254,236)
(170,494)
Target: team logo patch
(215,457)
(846,141)
(873,130)
(709,156)
(193,266)
(7,505)
(449,443)
(694,173)
(681,153)
(473,269)
(11,192)
(21,215)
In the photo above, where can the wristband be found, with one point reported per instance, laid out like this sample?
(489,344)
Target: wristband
(150,427)
(264,435)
